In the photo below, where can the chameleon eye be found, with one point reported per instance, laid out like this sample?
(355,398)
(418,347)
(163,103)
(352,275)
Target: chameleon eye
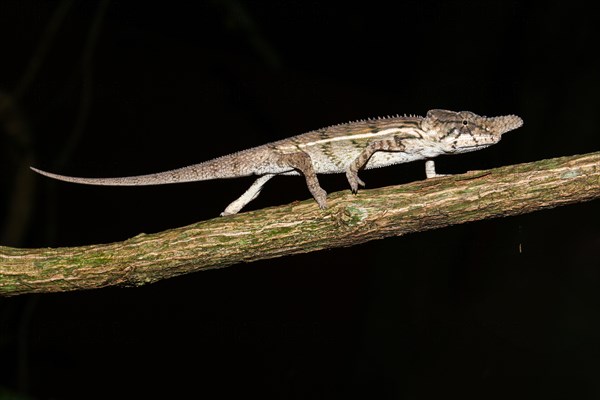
(465,122)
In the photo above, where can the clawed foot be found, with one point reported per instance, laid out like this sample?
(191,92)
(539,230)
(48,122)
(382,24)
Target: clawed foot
(320,196)
(354,181)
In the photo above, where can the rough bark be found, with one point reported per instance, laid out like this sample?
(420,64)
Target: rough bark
(302,227)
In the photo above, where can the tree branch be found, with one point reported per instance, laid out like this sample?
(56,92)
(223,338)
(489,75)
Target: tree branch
(302,227)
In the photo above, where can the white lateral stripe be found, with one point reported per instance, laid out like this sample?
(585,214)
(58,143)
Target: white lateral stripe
(352,137)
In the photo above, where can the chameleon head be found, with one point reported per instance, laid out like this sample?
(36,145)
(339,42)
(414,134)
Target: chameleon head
(464,131)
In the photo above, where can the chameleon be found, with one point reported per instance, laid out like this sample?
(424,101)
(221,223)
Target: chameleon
(343,148)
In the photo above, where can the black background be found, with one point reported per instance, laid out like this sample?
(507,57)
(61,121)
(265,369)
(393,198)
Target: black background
(506,307)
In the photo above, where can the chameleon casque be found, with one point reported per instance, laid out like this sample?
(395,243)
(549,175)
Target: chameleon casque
(344,148)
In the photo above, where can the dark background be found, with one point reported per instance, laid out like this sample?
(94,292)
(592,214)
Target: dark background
(506,307)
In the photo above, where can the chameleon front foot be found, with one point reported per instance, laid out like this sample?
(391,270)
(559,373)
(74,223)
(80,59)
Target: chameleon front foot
(354,180)
(320,196)
(430,170)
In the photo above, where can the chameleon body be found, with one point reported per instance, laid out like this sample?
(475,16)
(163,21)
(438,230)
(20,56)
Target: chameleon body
(344,148)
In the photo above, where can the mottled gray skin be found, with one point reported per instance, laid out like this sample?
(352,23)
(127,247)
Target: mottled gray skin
(345,148)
